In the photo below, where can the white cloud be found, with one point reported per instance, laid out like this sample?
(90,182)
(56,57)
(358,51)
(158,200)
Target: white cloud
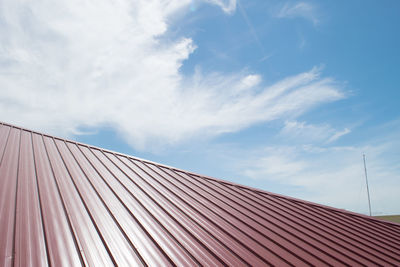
(228,6)
(249,82)
(337,135)
(304,132)
(299,10)
(80,64)
(275,164)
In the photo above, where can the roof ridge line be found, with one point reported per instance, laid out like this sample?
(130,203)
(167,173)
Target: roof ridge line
(218,180)
(92,146)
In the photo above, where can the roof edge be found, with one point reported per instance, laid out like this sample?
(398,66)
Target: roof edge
(257,190)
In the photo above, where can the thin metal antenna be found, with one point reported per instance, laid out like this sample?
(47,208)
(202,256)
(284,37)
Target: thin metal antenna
(366,180)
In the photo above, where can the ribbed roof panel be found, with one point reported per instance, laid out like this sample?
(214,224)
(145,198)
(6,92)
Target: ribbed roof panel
(64,203)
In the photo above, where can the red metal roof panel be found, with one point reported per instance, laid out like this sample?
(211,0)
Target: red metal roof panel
(64,203)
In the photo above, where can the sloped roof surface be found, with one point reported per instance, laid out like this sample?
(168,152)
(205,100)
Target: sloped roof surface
(68,204)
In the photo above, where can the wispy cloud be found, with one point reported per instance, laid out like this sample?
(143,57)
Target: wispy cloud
(70,66)
(337,135)
(302,41)
(299,10)
(252,30)
(276,164)
(328,174)
(228,6)
(304,132)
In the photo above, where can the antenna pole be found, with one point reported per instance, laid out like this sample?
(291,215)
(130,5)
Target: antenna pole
(366,180)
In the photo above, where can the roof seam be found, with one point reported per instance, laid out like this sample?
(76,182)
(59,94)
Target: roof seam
(291,227)
(92,219)
(366,224)
(16,200)
(152,199)
(104,204)
(332,239)
(334,216)
(129,211)
(5,146)
(66,212)
(251,250)
(278,226)
(189,217)
(323,230)
(172,203)
(40,203)
(249,226)
(348,223)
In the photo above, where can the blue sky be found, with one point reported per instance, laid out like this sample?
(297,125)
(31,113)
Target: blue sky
(281,95)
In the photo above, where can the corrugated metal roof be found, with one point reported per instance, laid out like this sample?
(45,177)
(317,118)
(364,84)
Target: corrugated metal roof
(64,203)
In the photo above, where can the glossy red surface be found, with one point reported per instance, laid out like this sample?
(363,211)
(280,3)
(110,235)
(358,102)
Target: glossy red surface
(64,203)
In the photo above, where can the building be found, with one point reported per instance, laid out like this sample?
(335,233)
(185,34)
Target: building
(64,203)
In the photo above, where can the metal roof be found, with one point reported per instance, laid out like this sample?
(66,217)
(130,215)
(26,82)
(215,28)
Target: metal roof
(64,203)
